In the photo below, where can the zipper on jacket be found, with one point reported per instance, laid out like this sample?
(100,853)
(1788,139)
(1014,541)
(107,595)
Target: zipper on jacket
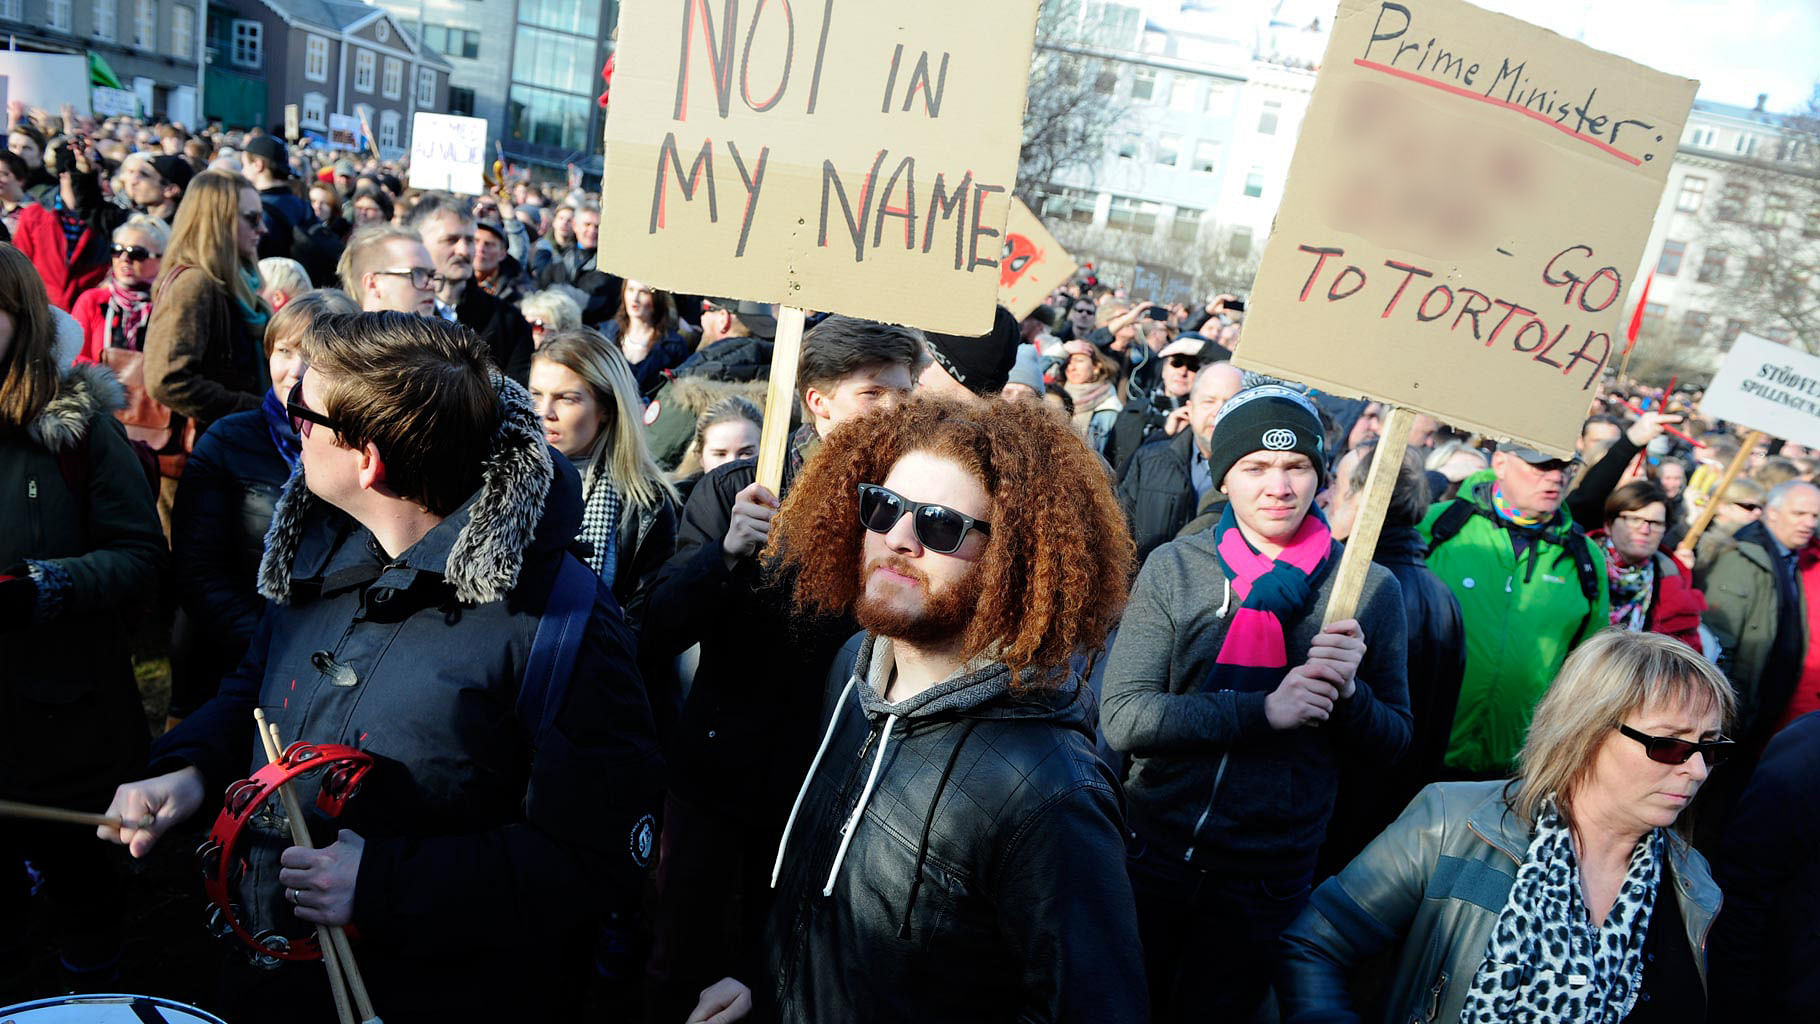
(1434,996)
(31,503)
(1193,837)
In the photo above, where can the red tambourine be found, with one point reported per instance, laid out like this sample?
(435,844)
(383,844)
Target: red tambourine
(341,769)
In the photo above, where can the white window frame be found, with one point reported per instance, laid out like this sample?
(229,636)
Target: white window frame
(366,64)
(316,58)
(9,9)
(107,14)
(57,15)
(391,80)
(246,43)
(314,112)
(183,31)
(388,129)
(426,87)
(145,24)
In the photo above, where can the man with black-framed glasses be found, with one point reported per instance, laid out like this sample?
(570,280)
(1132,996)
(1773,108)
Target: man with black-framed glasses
(388,268)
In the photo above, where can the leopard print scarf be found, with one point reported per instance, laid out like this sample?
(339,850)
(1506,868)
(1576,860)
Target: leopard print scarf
(1546,963)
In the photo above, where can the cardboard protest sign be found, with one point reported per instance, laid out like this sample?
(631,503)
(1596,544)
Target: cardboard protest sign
(107,102)
(1768,387)
(449,152)
(344,131)
(1468,197)
(1031,263)
(850,155)
(1147,282)
(46,80)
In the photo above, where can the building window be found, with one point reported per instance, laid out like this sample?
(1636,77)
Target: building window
(57,15)
(1746,145)
(1693,190)
(364,62)
(1712,266)
(1775,210)
(1654,311)
(1129,144)
(461,101)
(1254,182)
(1267,119)
(456,42)
(105,13)
(1732,201)
(1106,83)
(145,24)
(1238,244)
(1701,137)
(1733,328)
(1219,98)
(315,112)
(1133,215)
(1168,149)
(388,129)
(183,32)
(1181,94)
(392,86)
(246,42)
(1670,263)
(1206,156)
(1186,226)
(382,30)
(1693,325)
(9,9)
(1143,85)
(316,58)
(426,87)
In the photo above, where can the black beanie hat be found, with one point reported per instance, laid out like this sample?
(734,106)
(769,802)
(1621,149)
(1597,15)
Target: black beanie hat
(1268,417)
(982,364)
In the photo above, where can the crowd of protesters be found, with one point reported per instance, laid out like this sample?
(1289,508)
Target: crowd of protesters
(1017,699)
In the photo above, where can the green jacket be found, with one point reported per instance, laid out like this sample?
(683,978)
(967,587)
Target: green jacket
(1436,881)
(1522,619)
(1741,610)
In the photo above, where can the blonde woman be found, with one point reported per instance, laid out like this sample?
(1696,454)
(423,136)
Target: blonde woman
(1568,895)
(203,352)
(582,388)
(550,312)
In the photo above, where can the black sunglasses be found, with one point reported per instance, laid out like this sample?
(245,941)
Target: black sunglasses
(1669,750)
(302,416)
(135,253)
(938,527)
(1185,362)
(1748,506)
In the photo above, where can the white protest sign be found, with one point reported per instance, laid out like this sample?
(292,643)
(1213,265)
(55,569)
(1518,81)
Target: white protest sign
(449,152)
(1768,387)
(1468,197)
(106,102)
(850,156)
(47,80)
(344,131)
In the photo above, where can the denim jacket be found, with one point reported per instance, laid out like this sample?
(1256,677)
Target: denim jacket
(1436,881)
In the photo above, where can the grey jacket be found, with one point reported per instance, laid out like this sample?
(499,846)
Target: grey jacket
(1436,881)
(1210,781)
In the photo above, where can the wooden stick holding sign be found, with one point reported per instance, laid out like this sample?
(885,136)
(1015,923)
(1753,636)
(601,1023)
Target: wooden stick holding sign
(1380,484)
(1686,548)
(774,441)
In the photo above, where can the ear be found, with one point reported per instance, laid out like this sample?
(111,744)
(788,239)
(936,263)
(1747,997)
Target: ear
(816,403)
(371,468)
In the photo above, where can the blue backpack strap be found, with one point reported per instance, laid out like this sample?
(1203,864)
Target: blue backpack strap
(558,640)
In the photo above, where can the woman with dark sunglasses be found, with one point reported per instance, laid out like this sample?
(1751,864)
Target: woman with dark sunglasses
(1567,894)
(114,314)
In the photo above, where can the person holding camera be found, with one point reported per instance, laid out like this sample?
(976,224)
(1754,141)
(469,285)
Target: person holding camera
(68,238)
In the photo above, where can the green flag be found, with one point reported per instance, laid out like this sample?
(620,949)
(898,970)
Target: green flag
(100,74)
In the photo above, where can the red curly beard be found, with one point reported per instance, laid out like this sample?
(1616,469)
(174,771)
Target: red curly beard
(944,615)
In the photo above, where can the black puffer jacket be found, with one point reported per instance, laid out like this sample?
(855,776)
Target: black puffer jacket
(1157,492)
(985,879)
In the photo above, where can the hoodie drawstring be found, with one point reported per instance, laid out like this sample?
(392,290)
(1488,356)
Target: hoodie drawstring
(790,823)
(1225,602)
(865,795)
(922,846)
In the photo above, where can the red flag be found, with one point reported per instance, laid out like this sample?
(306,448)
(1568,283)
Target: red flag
(1636,319)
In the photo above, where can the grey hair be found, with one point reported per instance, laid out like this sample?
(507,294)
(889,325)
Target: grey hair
(1779,493)
(436,204)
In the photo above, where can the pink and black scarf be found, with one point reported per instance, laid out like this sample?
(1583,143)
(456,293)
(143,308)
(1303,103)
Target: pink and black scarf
(1275,593)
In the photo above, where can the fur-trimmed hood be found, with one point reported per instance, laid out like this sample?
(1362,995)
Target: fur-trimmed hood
(86,391)
(696,394)
(527,500)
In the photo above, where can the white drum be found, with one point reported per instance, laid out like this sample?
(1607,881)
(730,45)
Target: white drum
(106,1009)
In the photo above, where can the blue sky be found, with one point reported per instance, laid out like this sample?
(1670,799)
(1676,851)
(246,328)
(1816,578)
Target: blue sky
(1736,48)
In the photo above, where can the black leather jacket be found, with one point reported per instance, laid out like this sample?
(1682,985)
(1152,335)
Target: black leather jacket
(985,879)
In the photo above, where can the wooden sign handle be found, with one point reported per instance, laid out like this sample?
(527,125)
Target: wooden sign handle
(1712,503)
(1380,484)
(780,398)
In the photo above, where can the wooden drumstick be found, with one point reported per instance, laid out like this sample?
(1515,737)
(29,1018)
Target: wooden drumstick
(37,812)
(300,836)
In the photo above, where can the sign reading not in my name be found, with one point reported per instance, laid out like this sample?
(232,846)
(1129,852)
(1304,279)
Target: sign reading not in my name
(855,156)
(1469,198)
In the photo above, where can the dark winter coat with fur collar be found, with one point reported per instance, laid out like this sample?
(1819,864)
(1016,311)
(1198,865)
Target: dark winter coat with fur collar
(78,520)
(489,850)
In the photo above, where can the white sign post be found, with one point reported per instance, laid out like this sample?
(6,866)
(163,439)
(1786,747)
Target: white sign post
(1768,387)
(449,153)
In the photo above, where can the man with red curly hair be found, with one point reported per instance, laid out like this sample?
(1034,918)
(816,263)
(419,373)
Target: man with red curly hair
(956,852)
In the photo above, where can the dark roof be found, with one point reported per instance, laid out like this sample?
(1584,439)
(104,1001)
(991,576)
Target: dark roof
(1764,117)
(339,15)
